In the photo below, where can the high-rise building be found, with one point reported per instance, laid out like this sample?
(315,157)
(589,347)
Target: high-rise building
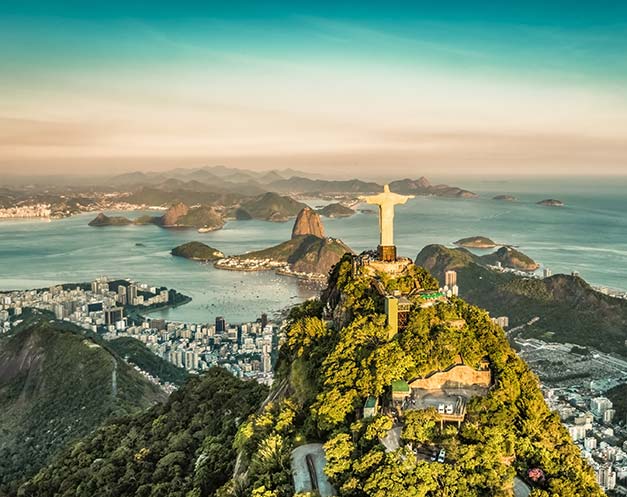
(220,324)
(599,405)
(547,272)
(121,295)
(113,315)
(131,294)
(450,278)
(264,320)
(606,476)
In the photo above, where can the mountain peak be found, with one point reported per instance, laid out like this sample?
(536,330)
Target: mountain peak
(308,222)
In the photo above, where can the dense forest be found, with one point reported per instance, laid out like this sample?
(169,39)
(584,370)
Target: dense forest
(57,384)
(183,448)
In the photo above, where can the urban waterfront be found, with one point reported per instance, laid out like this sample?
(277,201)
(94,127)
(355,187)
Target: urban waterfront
(588,235)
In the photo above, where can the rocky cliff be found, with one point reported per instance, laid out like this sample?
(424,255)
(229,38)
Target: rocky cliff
(173,214)
(308,223)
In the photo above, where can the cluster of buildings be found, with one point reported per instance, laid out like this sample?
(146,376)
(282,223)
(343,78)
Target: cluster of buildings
(575,385)
(108,308)
(99,307)
(26,211)
(247,350)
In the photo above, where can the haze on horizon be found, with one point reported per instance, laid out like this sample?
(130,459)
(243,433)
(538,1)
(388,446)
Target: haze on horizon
(326,87)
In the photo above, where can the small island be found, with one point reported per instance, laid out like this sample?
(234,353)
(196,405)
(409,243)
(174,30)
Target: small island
(197,251)
(551,202)
(102,220)
(505,198)
(335,210)
(480,242)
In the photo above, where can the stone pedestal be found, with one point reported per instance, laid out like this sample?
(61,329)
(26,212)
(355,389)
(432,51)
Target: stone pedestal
(387,253)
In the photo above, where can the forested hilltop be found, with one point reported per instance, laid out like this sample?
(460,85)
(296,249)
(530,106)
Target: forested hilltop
(339,354)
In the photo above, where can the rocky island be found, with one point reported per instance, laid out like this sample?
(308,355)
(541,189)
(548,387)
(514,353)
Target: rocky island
(197,251)
(102,220)
(180,215)
(505,198)
(480,242)
(551,202)
(308,254)
(336,210)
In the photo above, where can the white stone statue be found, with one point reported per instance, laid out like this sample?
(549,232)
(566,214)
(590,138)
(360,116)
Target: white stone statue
(386,202)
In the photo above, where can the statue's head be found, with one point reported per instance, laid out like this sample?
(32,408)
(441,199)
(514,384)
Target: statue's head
(386,188)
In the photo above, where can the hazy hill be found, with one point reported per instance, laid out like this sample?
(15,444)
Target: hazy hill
(422,186)
(56,384)
(307,185)
(181,448)
(336,210)
(269,207)
(569,309)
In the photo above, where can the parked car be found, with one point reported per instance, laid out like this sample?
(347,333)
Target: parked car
(442,456)
(441,408)
(449,408)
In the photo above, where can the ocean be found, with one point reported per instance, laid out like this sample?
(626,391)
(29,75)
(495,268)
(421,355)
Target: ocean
(588,235)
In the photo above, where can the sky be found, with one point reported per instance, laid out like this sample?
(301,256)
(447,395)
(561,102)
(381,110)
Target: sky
(343,88)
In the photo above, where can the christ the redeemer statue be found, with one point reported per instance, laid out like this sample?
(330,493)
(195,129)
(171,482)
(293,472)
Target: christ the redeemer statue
(386,202)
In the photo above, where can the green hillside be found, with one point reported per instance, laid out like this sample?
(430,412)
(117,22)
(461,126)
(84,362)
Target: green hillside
(269,207)
(56,384)
(569,309)
(135,352)
(183,448)
(197,251)
(328,370)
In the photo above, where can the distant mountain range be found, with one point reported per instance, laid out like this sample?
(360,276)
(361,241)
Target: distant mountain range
(222,180)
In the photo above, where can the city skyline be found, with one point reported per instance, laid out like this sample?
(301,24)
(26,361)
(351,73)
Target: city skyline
(91,89)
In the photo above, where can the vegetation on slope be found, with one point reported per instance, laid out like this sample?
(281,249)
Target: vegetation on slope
(183,448)
(326,371)
(269,207)
(197,251)
(135,352)
(304,253)
(57,384)
(568,308)
(476,242)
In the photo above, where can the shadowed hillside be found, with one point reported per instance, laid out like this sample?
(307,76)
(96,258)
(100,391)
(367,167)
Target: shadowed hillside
(57,384)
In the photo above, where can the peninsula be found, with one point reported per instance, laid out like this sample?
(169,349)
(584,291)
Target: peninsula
(308,254)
